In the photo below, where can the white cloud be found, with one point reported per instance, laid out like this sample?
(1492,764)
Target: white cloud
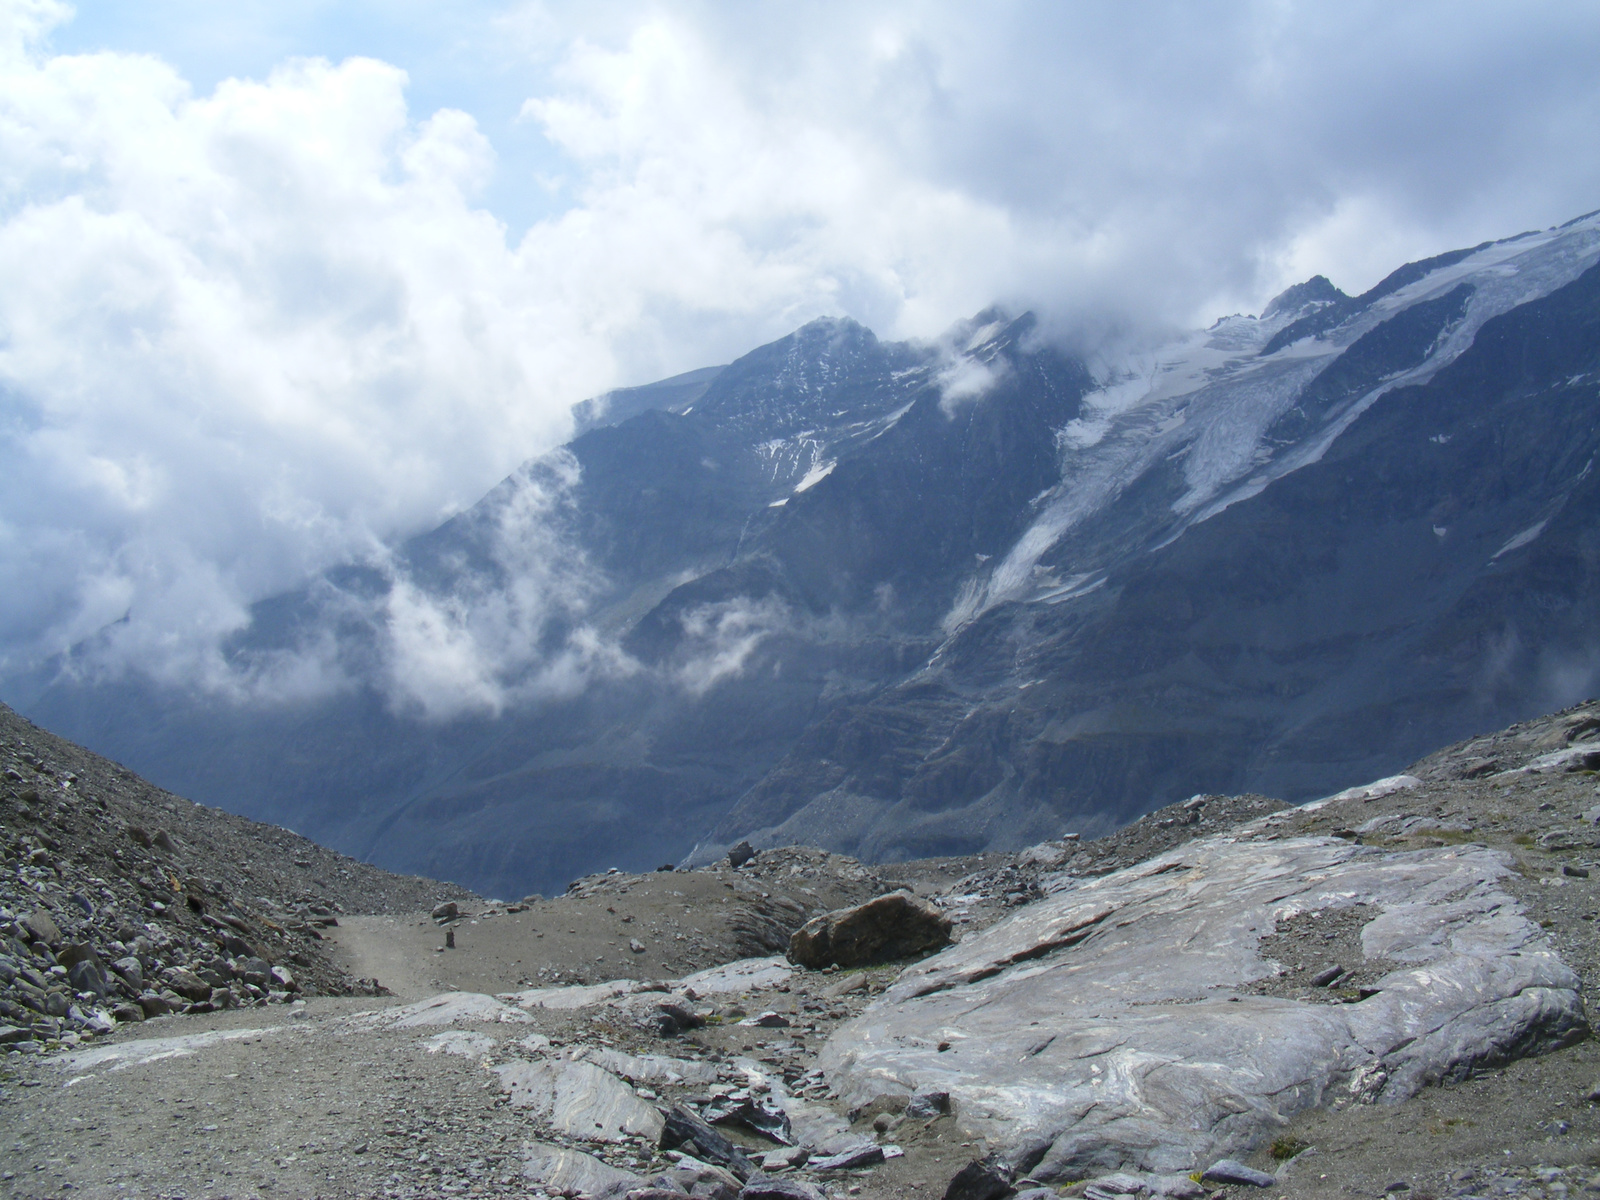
(249,334)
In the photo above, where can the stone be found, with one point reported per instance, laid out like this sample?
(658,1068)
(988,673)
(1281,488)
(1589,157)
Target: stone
(767,1020)
(641,1068)
(883,929)
(758,1116)
(188,985)
(154,1005)
(282,978)
(704,1179)
(448,1008)
(635,946)
(87,975)
(131,970)
(1326,976)
(1105,1026)
(127,1011)
(672,1019)
(1121,1184)
(10,1035)
(925,1106)
(561,1170)
(682,1127)
(41,927)
(448,911)
(741,854)
(861,1156)
(254,971)
(1226,1170)
(580,1099)
(982,1179)
(784,1157)
(1176,1187)
(765,1187)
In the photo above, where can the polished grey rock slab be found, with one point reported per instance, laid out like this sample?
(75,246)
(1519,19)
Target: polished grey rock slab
(1103,1027)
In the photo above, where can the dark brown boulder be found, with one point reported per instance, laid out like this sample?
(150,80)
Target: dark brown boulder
(884,929)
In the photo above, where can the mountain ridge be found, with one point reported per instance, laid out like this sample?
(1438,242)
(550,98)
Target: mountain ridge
(899,600)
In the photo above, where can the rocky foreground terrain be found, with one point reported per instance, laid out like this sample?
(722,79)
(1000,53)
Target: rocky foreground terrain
(1385,992)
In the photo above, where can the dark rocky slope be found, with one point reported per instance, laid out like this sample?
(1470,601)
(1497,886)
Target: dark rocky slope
(118,896)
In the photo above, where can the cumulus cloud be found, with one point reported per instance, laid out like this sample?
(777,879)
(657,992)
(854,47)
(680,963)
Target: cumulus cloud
(250,334)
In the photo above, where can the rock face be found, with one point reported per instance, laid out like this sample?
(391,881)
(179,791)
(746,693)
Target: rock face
(883,929)
(1101,1028)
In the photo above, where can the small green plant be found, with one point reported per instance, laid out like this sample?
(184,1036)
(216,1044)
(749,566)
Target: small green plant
(1284,1148)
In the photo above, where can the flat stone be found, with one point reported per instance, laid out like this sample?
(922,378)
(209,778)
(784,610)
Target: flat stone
(1226,1170)
(1098,1028)
(741,975)
(883,929)
(580,1099)
(863,1156)
(767,1020)
(765,1187)
(647,1068)
(12,1034)
(784,1157)
(450,1008)
(1176,1187)
(559,1169)
(1121,1184)
(467,1043)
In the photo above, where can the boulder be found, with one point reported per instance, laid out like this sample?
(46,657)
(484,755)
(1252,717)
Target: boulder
(131,970)
(982,1179)
(1112,1025)
(883,929)
(41,927)
(154,1005)
(187,984)
(257,971)
(741,854)
(87,975)
(448,911)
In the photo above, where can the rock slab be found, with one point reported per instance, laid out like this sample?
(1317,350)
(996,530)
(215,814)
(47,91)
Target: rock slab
(1108,1027)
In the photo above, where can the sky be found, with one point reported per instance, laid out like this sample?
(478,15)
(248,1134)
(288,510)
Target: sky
(282,283)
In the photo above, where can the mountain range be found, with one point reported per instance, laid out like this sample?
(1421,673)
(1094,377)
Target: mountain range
(906,599)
